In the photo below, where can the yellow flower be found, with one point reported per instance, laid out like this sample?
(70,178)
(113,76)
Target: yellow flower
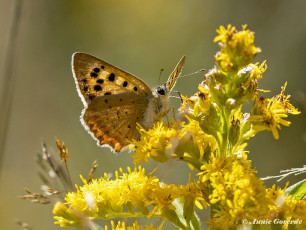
(202,140)
(269,114)
(68,217)
(199,102)
(154,142)
(162,197)
(258,70)
(224,34)
(192,196)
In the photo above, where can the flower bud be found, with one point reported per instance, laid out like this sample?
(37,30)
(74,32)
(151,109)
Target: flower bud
(234,131)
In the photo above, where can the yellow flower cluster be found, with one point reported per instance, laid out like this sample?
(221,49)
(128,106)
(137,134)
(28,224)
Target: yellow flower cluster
(237,48)
(200,112)
(236,193)
(154,143)
(269,114)
(173,140)
(131,195)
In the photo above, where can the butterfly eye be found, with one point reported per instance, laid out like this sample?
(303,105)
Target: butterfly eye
(160,91)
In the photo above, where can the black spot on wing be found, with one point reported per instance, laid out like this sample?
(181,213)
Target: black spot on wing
(97,88)
(97,70)
(100,81)
(94,75)
(111,77)
(125,84)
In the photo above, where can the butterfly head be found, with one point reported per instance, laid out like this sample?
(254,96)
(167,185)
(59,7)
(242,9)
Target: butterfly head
(162,90)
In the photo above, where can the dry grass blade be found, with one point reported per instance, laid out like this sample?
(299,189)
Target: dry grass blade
(35,197)
(54,167)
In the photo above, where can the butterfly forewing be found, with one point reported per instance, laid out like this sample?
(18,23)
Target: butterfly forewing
(95,77)
(112,119)
(175,74)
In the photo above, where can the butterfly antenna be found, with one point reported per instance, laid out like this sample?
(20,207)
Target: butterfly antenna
(199,71)
(181,76)
(161,71)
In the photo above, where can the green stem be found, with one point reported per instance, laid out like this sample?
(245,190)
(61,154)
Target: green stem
(223,149)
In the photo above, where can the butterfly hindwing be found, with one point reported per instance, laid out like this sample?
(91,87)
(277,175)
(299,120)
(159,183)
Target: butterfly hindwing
(175,74)
(95,77)
(112,119)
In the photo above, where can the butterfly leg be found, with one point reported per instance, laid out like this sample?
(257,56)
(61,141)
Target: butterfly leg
(179,97)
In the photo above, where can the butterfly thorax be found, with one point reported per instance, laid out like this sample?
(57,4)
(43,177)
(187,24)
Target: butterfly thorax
(158,106)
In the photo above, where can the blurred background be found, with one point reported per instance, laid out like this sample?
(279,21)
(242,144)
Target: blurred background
(140,37)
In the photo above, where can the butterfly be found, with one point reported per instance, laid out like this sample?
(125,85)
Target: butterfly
(115,100)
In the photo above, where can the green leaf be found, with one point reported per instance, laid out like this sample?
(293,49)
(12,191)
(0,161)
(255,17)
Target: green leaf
(173,217)
(192,222)
(298,190)
(177,216)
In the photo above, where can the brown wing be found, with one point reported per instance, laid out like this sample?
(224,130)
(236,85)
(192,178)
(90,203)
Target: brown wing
(175,74)
(95,77)
(111,119)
